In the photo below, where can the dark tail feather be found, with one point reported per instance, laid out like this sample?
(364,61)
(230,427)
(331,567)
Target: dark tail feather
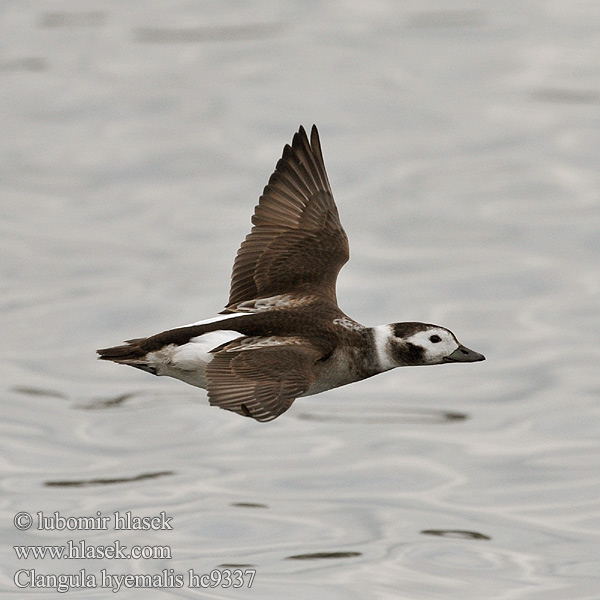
(130,353)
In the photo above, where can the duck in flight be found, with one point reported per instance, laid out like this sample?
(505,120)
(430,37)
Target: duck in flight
(282,335)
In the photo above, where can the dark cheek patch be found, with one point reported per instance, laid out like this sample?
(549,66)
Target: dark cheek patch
(415,353)
(409,354)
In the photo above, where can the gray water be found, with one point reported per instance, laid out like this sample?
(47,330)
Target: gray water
(462,143)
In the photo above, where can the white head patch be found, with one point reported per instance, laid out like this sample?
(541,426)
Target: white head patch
(436,342)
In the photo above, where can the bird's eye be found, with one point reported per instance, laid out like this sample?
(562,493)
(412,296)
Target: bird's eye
(435,339)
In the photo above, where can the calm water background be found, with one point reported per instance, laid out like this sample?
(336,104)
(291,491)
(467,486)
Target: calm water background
(462,144)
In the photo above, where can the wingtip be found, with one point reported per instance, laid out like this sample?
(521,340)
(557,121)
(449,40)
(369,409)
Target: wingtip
(299,140)
(302,140)
(314,134)
(315,141)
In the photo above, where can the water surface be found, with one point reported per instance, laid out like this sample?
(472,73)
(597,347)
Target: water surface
(462,147)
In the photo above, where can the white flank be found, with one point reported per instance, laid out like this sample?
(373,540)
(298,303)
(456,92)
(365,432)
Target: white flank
(188,361)
(188,356)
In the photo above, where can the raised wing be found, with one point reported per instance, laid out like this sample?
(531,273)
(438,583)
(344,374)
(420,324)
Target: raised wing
(297,243)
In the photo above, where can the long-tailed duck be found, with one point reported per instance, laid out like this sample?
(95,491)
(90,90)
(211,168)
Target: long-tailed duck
(282,334)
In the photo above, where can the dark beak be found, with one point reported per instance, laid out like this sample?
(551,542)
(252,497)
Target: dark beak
(464,354)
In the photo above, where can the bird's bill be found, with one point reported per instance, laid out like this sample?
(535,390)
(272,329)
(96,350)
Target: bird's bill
(464,354)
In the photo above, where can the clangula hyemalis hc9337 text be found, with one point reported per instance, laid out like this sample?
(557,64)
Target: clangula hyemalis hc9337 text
(282,334)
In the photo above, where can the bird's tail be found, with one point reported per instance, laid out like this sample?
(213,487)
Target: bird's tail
(130,353)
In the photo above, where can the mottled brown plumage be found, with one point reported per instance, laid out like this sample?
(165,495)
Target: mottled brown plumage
(282,334)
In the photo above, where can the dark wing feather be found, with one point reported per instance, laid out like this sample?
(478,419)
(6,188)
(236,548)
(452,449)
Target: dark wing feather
(297,243)
(261,377)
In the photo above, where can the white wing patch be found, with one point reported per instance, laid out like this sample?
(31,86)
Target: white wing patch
(213,320)
(254,306)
